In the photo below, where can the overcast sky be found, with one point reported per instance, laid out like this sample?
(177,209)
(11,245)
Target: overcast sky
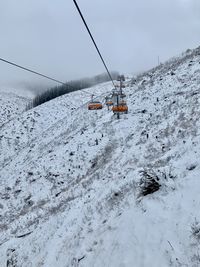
(48,36)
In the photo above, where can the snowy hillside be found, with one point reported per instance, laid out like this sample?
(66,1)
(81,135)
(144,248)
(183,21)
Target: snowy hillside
(73,181)
(12,103)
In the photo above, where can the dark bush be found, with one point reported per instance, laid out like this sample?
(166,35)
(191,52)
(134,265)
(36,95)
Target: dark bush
(149,183)
(195,229)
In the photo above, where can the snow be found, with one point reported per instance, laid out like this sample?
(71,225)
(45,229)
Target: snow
(11,105)
(66,201)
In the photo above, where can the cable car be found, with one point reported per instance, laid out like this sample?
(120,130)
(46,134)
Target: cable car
(109,101)
(118,78)
(94,105)
(120,86)
(120,108)
(122,78)
(120,105)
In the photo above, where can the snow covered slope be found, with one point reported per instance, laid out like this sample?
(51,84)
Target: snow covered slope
(12,103)
(71,180)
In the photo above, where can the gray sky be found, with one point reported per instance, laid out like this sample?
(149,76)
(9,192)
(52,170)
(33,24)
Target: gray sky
(48,36)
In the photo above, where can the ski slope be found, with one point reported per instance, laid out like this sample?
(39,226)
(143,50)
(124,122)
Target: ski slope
(70,191)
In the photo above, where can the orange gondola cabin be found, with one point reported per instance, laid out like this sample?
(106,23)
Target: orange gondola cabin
(94,105)
(109,101)
(120,108)
(119,103)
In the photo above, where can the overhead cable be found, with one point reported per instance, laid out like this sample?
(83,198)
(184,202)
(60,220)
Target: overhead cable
(40,74)
(83,19)
(32,71)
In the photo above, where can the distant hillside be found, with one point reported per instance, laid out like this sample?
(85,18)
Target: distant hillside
(70,87)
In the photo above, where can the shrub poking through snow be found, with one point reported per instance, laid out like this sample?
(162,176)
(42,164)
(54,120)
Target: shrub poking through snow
(195,229)
(191,167)
(149,182)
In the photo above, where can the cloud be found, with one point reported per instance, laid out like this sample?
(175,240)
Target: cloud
(48,36)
